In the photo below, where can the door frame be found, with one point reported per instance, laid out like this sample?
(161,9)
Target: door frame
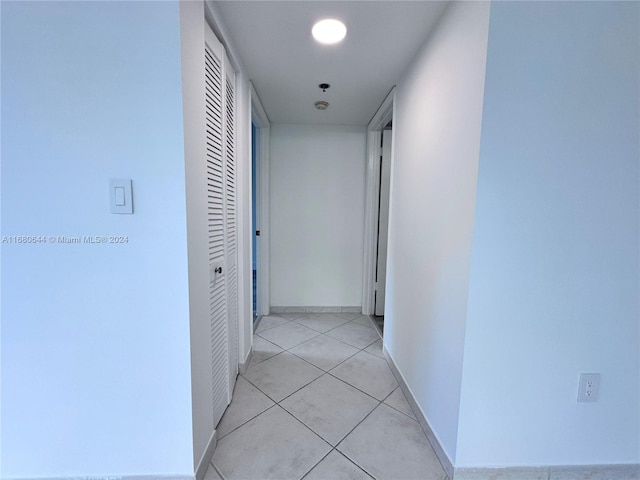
(372,190)
(263,127)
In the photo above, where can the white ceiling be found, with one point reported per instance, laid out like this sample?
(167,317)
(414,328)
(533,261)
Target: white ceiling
(273,40)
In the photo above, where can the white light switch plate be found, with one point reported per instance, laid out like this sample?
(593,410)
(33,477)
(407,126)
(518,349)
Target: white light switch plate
(120,195)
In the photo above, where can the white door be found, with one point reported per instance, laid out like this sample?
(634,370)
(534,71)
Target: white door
(383,222)
(221,221)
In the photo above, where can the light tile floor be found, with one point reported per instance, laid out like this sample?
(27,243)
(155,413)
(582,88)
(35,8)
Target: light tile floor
(319,402)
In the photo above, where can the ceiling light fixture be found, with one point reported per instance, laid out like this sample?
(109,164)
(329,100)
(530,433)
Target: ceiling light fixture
(322,105)
(329,31)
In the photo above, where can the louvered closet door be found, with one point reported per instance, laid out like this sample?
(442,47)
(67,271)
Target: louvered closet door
(216,218)
(231,222)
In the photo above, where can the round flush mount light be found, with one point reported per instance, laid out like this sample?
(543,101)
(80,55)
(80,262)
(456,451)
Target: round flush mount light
(322,105)
(329,31)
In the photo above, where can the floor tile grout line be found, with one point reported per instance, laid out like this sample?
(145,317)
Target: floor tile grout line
(258,363)
(302,421)
(287,349)
(333,368)
(297,356)
(244,423)
(292,353)
(353,386)
(334,449)
(321,373)
(337,340)
(354,346)
(399,411)
(358,424)
(318,334)
(305,385)
(211,464)
(333,328)
(273,326)
(289,319)
(309,383)
(247,421)
(318,463)
(306,426)
(347,434)
(354,463)
(262,391)
(324,372)
(297,390)
(322,334)
(391,406)
(350,432)
(276,404)
(268,341)
(337,365)
(262,361)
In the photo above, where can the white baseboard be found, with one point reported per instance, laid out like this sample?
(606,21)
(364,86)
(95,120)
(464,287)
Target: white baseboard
(446,463)
(575,472)
(595,472)
(242,368)
(304,309)
(203,464)
(520,473)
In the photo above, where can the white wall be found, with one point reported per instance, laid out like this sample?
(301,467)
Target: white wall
(554,277)
(317,211)
(95,338)
(433,185)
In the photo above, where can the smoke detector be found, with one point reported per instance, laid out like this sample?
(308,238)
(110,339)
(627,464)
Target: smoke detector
(322,105)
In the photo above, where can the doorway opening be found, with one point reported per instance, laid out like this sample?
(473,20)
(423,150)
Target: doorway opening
(254,220)
(383,227)
(378,184)
(260,133)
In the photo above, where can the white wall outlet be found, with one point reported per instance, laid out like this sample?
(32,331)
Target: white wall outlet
(588,387)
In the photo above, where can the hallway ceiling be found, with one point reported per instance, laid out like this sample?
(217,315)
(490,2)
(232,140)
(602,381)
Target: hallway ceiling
(285,64)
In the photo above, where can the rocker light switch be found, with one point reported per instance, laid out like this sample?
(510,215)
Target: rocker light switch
(120,195)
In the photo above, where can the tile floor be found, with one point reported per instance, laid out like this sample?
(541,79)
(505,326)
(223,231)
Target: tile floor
(319,402)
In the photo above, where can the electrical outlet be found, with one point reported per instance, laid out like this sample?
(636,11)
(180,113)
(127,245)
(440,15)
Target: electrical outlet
(588,387)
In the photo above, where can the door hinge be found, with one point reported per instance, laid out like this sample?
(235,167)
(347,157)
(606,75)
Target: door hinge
(379,151)
(257,233)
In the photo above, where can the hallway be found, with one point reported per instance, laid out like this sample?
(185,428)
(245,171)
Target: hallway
(319,401)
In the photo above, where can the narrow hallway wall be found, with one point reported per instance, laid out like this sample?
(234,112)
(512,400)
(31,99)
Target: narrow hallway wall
(433,186)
